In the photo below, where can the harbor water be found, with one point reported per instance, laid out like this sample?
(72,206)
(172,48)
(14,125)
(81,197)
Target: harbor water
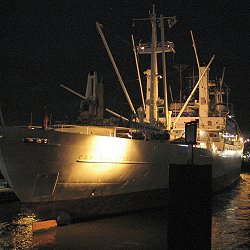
(138,230)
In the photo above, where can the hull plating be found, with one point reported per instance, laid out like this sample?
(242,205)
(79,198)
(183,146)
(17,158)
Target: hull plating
(73,166)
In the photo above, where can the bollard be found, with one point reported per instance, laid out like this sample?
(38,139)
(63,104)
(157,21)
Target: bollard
(189,207)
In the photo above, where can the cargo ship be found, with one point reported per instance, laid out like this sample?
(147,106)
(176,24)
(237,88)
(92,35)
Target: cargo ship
(101,166)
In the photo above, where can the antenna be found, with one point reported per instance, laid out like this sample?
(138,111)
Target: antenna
(180,68)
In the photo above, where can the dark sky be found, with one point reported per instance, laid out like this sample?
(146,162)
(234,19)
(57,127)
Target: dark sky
(47,43)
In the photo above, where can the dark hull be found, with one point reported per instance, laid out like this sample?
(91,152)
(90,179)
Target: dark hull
(97,207)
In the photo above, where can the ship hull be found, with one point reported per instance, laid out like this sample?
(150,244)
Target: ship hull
(78,170)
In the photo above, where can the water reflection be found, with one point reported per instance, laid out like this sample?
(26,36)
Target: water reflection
(16,226)
(231,217)
(44,239)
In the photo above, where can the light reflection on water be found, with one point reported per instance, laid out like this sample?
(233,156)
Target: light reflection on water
(231,217)
(15,226)
(230,222)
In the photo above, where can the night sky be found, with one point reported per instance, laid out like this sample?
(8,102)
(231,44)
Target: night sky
(47,43)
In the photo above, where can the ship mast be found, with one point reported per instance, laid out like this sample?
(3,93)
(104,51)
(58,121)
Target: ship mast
(167,115)
(153,115)
(152,73)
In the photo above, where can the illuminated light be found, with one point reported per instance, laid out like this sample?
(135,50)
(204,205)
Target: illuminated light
(227,135)
(241,139)
(183,145)
(129,135)
(214,148)
(107,158)
(203,145)
(35,140)
(229,152)
(107,148)
(202,132)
